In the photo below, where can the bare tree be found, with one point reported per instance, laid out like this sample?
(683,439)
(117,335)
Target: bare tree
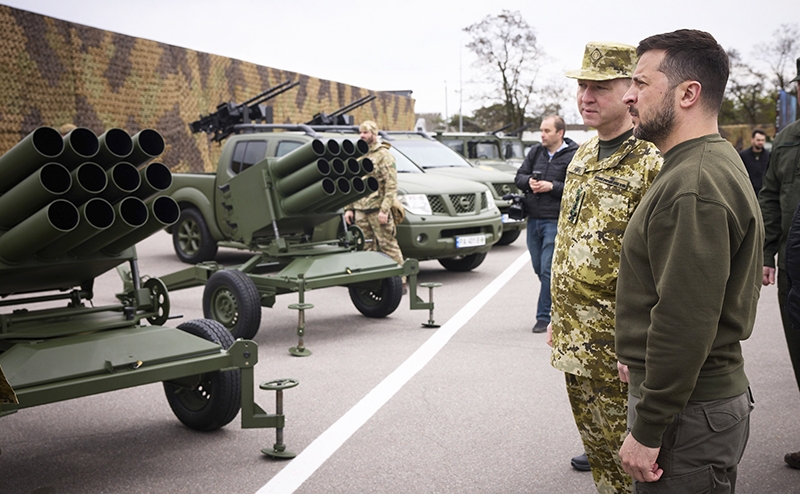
(506,45)
(781,53)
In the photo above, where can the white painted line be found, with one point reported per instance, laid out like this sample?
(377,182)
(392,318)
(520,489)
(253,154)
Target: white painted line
(306,463)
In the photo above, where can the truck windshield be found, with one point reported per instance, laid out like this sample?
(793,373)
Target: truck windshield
(403,164)
(430,154)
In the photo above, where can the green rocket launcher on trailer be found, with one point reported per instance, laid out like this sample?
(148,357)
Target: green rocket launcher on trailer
(71,209)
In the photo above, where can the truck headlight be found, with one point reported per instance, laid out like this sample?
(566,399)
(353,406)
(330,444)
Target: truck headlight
(416,203)
(490,200)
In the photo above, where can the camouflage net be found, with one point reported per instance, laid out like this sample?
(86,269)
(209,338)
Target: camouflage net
(54,72)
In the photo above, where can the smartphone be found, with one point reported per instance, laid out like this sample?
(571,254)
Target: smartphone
(537,175)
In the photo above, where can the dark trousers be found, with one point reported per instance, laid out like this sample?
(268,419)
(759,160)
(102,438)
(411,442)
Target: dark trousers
(792,335)
(701,449)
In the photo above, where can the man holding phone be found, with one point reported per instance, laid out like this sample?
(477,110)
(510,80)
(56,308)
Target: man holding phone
(541,179)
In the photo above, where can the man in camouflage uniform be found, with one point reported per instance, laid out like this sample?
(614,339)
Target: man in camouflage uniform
(605,181)
(373,214)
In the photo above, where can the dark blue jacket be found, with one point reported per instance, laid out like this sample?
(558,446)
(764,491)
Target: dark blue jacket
(547,204)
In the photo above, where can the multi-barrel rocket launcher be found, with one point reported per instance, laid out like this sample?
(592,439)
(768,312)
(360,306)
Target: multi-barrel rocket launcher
(72,208)
(272,209)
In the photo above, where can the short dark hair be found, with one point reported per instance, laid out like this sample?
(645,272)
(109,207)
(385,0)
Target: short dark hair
(558,122)
(759,131)
(692,55)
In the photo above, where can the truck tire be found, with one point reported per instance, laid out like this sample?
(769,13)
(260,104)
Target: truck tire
(191,238)
(508,237)
(378,303)
(231,298)
(208,401)
(463,263)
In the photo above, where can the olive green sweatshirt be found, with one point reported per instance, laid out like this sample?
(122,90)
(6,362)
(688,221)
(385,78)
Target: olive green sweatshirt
(689,282)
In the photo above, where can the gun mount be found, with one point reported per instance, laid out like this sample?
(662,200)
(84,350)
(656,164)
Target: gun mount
(221,122)
(339,117)
(71,209)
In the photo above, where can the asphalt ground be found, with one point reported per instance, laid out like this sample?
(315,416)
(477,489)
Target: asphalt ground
(383,406)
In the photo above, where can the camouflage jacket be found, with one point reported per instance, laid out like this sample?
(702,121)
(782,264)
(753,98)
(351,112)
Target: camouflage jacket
(599,199)
(386,173)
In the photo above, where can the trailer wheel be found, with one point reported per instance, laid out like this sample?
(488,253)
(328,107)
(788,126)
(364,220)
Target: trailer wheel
(191,238)
(381,302)
(208,401)
(508,237)
(231,298)
(463,263)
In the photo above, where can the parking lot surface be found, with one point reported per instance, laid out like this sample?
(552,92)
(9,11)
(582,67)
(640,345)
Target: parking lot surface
(383,405)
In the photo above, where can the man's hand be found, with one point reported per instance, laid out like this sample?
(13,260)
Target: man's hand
(349,216)
(639,461)
(549,338)
(540,186)
(624,375)
(769,276)
(383,218)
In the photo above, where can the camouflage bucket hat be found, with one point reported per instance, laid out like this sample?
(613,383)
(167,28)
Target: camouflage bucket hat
(606,61)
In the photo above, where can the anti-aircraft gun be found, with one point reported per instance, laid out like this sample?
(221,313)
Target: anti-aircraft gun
(340,117)
(71,209)
(228,114)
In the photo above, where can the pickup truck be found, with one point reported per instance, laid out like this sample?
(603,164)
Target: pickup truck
(453,221)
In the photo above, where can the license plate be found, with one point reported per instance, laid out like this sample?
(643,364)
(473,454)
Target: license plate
(505,219)
(471,241)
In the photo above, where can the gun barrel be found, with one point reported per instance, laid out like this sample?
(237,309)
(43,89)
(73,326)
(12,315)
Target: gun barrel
(96,215)
(42,187)
(164,211)
(38,230)
(39,147)
(147,145)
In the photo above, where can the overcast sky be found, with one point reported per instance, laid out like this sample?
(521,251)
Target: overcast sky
(416,45)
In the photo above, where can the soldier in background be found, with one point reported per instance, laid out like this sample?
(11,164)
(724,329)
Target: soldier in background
(755,159)
(373,214)
(605,182)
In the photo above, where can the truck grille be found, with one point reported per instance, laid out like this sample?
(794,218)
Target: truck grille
(436,205)
(463,203)
(507,188)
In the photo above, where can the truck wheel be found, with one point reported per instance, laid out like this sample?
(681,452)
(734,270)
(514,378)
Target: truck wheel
(231,298)
(463,263)
(191,239)
(508,237)
(381,302)
(208,401)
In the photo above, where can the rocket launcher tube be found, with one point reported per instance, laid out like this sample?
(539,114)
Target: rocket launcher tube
(88,180)
(80,145)
(38,230)
(130,214)
(367,166)
(337,200)
(298,158)
(332,148)
(362,148)
(95,216)
(115,146)
(338,166)
(305,200)
(303,177)
(37,149)
(147,145)
(155,178)
(123,179)
(352,168)
(42,187)
(348,148)
(164,211)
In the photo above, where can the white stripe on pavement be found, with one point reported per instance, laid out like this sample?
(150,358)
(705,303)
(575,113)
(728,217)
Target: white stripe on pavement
(306,463)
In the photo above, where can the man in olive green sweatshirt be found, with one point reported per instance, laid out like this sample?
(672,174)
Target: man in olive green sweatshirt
(690,276)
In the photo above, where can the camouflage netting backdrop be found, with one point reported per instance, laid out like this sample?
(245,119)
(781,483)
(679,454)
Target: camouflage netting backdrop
(54,72)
